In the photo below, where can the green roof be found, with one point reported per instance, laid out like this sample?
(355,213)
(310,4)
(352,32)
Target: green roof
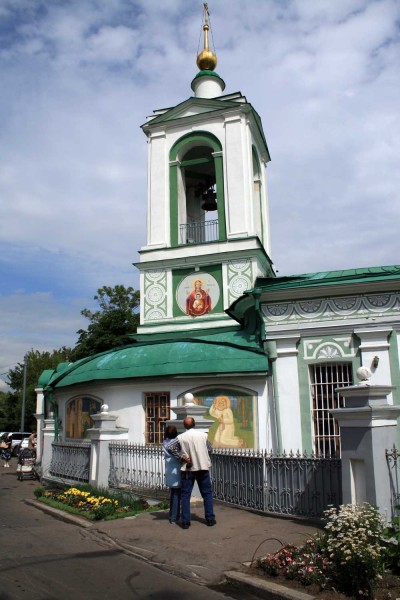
(367,274)
(208,356)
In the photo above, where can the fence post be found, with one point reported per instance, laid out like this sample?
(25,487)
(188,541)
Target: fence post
(367,427)
(105,430)
(47,449)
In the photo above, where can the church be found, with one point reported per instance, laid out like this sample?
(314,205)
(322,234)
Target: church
(263,353)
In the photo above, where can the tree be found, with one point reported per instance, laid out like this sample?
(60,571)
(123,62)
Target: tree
(112,324)
(11,402)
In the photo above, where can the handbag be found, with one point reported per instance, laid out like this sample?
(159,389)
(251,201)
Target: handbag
(3,445)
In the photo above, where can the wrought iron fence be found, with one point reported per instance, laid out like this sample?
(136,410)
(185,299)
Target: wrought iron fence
(70,460)
(292,484)
(393,463)
(199,232)
(137,467)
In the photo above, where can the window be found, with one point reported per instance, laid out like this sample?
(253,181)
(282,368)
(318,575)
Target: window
(79,411)
(157,411)
(324,379)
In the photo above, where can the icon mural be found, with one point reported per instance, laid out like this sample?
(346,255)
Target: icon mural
(197,294)
(233,415)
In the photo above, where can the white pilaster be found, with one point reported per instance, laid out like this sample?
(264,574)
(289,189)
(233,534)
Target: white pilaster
(289,392)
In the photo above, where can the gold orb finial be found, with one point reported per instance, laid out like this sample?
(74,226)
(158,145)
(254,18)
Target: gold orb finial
(207,59)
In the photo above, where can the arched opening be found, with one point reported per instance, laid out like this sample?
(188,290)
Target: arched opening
(196,190)
(79,413)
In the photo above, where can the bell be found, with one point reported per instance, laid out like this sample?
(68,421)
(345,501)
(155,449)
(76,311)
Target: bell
(209,200)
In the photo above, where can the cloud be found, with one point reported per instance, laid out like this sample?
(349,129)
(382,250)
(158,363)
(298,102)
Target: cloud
(78,80)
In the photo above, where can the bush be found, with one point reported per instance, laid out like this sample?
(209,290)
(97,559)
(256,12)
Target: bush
(353,547)
(348,556)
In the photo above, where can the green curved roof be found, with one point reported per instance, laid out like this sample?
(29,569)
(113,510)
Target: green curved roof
(160,359)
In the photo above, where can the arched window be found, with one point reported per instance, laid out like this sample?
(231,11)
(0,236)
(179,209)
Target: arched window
(78,416)
(197,205)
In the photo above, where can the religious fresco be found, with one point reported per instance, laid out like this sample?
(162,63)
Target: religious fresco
(197,294)
(233,413)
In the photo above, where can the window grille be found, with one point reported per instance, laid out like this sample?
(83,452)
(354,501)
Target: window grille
(157,411)
(324,379)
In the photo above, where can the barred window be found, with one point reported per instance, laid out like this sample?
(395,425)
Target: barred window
(157,411)
(324,379)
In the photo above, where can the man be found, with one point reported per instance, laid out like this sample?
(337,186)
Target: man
(192,448)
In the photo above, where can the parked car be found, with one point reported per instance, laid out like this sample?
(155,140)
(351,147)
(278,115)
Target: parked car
(23,444)
(16,437)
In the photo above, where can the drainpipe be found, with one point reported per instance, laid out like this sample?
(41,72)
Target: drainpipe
(270,348)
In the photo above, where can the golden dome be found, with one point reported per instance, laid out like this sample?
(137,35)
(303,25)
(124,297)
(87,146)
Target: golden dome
(207,59)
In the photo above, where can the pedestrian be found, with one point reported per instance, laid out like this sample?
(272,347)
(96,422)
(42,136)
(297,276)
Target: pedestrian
(192,448)
(32,441)
(6,448)
(173,477)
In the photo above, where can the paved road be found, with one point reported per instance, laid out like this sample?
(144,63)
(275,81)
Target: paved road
(42,558)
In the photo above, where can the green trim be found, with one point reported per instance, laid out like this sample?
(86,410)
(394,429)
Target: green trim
(394,366)
(207,73)
(173,206)
(199,138)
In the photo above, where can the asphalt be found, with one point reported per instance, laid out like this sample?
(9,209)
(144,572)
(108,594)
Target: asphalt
(201,554)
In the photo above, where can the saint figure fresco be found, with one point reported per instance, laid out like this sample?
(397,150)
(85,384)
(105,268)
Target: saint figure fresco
(198,302)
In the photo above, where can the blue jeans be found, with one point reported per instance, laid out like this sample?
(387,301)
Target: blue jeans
(175,504)
(204,482)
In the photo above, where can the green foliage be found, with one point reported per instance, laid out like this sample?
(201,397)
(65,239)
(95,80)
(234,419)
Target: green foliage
(391,544)
(111,325)
(11,402)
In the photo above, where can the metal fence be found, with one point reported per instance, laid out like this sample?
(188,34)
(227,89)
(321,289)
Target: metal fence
(292,484)
(137,467)
(198,232)
(393,463)
(70,461)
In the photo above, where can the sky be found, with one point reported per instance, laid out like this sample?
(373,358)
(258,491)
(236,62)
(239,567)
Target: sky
(78,79)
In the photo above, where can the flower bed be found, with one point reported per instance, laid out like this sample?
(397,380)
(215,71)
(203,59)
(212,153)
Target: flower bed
(348,559)
(94,504)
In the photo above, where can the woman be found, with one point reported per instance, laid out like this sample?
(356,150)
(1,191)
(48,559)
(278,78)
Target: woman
(6,451)
(172,475)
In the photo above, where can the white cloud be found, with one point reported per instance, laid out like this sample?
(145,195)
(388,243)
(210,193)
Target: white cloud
(78,80)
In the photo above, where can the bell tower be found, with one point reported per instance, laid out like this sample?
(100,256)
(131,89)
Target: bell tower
(208,233)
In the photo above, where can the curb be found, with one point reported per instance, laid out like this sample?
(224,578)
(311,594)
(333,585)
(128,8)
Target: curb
(60,514)
(270,590)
